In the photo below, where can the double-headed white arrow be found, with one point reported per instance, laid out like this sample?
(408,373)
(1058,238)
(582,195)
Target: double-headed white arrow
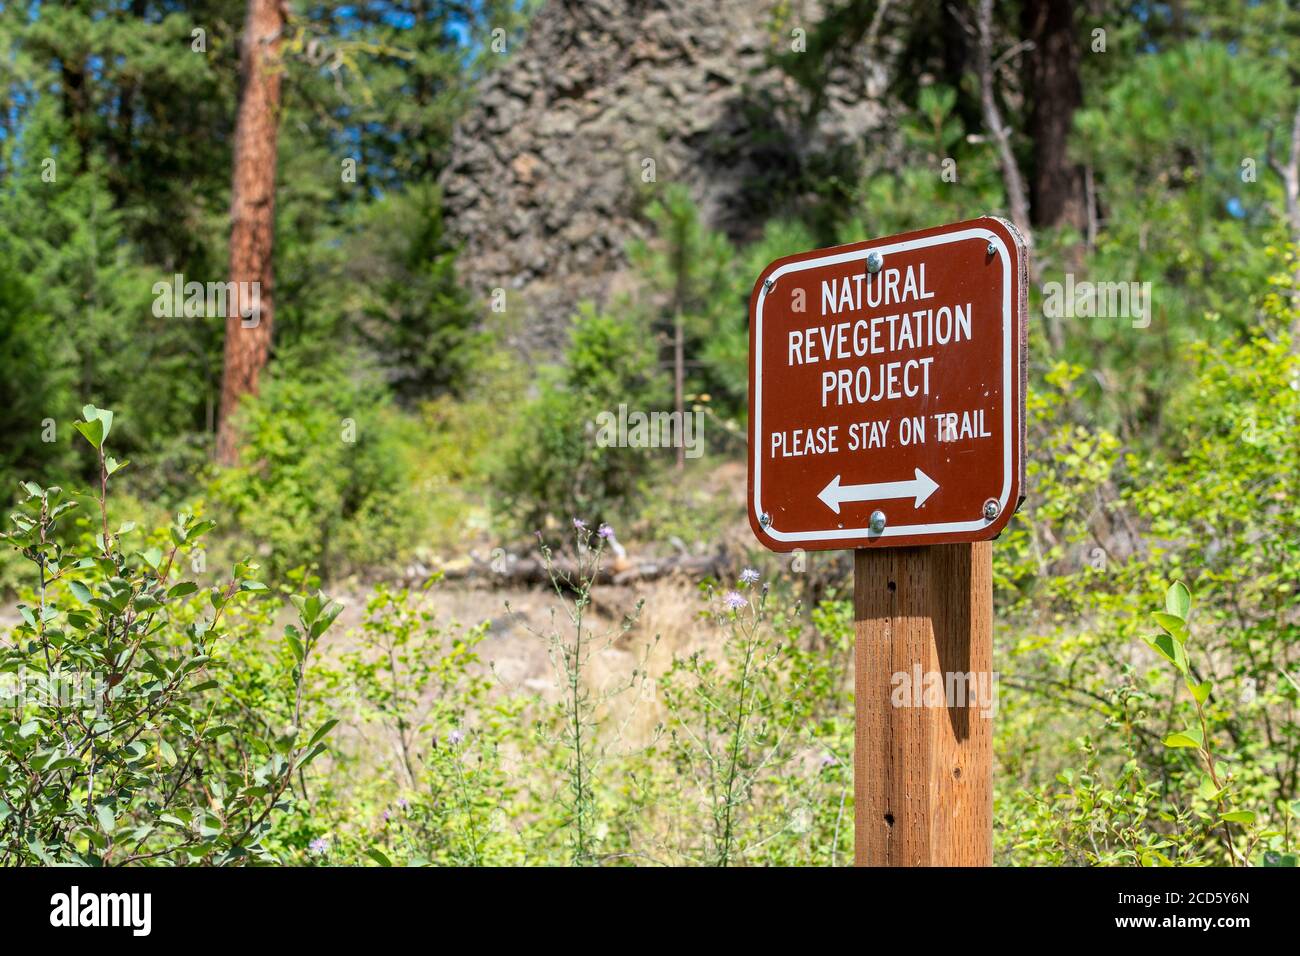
(919,488)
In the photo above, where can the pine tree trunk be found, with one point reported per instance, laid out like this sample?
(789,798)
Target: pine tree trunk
(252,217)
(1056,189)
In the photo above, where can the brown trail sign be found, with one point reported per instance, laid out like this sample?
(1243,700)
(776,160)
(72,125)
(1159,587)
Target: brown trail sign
(886,414)
(897,393)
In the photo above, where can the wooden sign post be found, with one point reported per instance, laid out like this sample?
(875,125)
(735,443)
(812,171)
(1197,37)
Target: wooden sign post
(922,776)
(886,415)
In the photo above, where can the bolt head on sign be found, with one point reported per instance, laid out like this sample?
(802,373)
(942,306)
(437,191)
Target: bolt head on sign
(887,390)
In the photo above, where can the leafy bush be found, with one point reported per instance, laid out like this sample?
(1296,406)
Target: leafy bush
(328,473)
(1103,534)
(553,463)
(110,747)
(1212,812)
(417,698)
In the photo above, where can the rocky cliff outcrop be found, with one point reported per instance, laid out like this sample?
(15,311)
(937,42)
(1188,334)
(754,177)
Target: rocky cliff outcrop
(549,168)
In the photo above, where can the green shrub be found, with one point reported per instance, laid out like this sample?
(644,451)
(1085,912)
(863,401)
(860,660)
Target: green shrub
(328,474)
(419,776)
(1187,803)
(112,746)
(553,466)
(1100,538)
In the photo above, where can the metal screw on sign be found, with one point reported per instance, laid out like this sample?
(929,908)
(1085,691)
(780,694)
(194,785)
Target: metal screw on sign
(991,249)
(877,522)
(765,520)
(991,510)
(768,285)
(874,262)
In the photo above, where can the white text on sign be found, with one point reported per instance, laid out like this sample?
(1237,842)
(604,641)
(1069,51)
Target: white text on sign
(928,328)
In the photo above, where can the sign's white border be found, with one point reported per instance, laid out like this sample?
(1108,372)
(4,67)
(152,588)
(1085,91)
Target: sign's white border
(1008,367)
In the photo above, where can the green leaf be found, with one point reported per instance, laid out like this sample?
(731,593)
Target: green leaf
(1200,691)
(1178,600)
(329,611)
(56,761)
(375,854)
(1171,650)
(107,822)
(152,557)
(1176,626)
(103,415)
(81,591)
(144,602)
(1238,816)
(93,431)
(1187,738)
(182,589)
(325,728)
(1206,789)
(311,755)
(1279,859)
(61,509)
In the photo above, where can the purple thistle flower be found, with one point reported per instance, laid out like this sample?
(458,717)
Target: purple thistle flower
(319,845)
(455,737)
(579,524)
(749,576)
(734,600)
(828,760)
(401,802)
(605,531)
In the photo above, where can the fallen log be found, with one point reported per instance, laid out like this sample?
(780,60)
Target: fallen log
(504,569)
